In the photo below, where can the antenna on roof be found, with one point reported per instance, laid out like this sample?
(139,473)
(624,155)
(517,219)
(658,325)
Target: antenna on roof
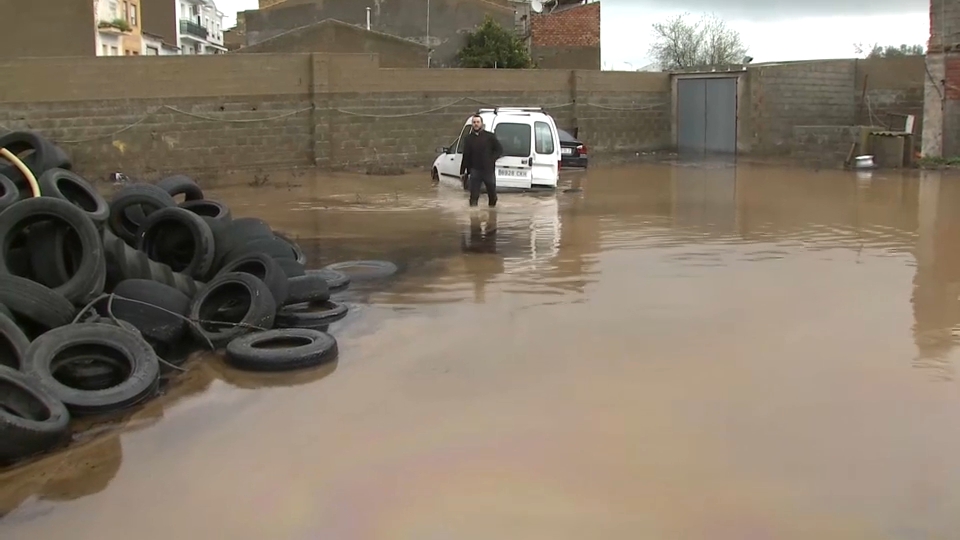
(536,6)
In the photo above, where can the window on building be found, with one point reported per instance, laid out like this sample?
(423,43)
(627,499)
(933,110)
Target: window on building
(133,15)
(544,138)
(153,51)
(105,50)
(126,12)
(114,51)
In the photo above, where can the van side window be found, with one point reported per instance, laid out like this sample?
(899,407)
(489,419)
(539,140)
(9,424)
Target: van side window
(544,137)
(463,138)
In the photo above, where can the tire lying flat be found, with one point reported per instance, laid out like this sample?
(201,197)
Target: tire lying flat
(282,350)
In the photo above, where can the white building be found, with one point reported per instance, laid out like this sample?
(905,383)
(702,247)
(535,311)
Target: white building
(109,36)
(201,27)
(155,46)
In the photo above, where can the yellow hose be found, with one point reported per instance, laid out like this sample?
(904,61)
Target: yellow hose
(31,179)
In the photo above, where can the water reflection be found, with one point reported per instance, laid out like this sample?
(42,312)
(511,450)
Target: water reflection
(481,239)
(936,292)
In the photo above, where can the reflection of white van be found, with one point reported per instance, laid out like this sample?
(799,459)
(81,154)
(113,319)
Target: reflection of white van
(531,148)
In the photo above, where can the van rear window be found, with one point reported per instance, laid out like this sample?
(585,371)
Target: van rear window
(515,139)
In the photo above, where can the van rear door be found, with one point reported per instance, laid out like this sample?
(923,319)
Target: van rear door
(516,137)
(546,154)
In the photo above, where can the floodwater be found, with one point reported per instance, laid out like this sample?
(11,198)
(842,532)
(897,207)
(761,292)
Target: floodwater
(674,352)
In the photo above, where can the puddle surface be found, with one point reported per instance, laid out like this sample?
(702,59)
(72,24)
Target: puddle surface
(672,352)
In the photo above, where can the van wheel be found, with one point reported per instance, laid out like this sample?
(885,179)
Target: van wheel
(435,175)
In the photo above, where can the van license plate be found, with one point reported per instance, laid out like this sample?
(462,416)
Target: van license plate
(512,173)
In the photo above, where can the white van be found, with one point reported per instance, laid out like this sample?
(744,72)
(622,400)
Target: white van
(531,148)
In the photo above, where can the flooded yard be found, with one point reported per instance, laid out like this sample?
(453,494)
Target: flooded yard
(672,352)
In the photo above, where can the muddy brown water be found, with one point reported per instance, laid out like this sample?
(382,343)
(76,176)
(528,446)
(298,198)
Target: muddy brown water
(675,352)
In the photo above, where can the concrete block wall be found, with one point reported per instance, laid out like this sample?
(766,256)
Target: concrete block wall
(782,96)
(267,111)
(894,88)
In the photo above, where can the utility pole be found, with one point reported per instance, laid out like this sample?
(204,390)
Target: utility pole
(429,49)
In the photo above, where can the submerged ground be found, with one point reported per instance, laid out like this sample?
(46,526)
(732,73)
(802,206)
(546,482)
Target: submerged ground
(676,351)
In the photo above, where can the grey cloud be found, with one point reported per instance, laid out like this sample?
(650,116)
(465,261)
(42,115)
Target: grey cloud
(766,10)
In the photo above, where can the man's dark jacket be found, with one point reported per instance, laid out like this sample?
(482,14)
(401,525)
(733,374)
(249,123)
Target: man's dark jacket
(481,152)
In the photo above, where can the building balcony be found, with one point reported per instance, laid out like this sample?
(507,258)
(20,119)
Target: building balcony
(190,28)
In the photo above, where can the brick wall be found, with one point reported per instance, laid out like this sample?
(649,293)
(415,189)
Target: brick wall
(944,25)
(573,27)
(266,111)
(942,98)
(568,39)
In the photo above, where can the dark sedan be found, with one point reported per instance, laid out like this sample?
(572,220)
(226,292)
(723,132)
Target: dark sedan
(573,153)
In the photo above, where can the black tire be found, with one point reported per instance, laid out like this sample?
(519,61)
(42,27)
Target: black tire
(298,254)
(181,185)
(88,281)
(70,187)
(129,203)
(179,239)
(53,257)
(315,315)
(310,287)
(124,262)
(13,343)
(291,268)
(264,268)
(364,270)
(282,350)
(9,192)
(148,305)
(240,300)
(239,232)
(36,152)
(213,210)
(88,343)
(336,281)
(273,246)
(32,419)
(37,308)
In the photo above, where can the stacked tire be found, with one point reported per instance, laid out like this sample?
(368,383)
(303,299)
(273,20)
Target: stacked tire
(96,297)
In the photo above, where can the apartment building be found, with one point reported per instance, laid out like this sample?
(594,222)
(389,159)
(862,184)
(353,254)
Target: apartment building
(118,28)
(200,27)
(193,26)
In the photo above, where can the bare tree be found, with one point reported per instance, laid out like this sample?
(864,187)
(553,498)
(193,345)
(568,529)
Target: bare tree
(679,43)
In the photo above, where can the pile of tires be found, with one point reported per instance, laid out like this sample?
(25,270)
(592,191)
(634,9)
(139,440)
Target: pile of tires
(98,298)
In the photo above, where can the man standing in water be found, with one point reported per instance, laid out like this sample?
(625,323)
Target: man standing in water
(480,155)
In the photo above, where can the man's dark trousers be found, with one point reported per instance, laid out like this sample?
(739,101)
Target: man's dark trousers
(479,178)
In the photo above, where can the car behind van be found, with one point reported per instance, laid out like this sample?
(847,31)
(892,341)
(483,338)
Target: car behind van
(531,148)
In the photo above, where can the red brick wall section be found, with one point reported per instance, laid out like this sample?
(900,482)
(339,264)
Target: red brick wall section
(574,27)
(952,84)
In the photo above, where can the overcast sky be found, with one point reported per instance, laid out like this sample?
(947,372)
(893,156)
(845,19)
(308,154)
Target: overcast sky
(772,29)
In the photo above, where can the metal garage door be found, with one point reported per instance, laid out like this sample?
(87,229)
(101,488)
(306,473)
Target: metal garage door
(707,115)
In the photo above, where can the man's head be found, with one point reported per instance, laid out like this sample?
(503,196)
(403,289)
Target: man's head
(477,122)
